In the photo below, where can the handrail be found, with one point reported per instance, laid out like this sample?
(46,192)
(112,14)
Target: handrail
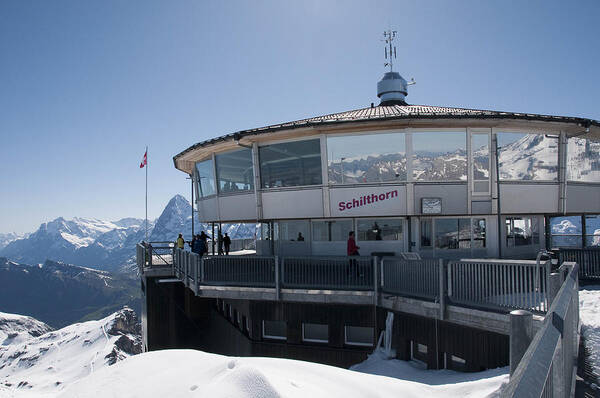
(547,368)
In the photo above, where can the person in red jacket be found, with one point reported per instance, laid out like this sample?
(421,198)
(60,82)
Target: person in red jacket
(352,248)
(352,251)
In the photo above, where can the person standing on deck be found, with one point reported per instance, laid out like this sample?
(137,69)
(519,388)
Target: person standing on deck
(352,250)
(220,243)
(180,242)
(227,243)
(204,245)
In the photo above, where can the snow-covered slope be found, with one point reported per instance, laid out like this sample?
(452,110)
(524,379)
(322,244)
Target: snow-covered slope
(5,239)
(15,329)
(589,312)
(532,157)
(44,365)
(188,373)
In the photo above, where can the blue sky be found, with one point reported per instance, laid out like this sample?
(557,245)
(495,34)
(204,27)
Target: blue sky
(85,85)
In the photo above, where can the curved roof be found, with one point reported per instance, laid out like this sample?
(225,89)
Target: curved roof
(396,112)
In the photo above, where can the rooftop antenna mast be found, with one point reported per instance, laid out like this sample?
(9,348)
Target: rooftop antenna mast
(390,50)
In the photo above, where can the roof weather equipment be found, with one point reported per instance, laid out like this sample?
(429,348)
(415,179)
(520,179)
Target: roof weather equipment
(392,89)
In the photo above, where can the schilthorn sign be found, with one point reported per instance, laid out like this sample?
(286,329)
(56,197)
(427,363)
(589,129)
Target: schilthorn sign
(366,200)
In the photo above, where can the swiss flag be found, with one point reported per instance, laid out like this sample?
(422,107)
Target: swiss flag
(144,160)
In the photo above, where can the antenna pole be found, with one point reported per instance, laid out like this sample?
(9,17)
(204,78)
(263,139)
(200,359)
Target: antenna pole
(146,193)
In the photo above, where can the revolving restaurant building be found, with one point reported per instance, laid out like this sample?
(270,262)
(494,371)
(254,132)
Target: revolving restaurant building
(443,182)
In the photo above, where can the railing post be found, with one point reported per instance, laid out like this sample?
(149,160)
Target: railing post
(202,270)
(521,334)
(277,279)
(195,279)
(555,282)
(442,285)
(375,289)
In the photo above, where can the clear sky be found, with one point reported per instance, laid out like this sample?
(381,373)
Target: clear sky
(86,85)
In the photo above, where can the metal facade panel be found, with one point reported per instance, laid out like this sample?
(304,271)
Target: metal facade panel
(238,207)
(207,209)
(387,200)
(454,197)
(583,198)
(529,198)
(481,207)
(301,203)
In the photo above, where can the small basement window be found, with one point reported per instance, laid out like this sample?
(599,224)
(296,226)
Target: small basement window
(315,333)
(274,330)
(358,335)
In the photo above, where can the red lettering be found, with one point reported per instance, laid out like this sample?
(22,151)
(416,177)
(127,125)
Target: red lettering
(348,205)
(342,206)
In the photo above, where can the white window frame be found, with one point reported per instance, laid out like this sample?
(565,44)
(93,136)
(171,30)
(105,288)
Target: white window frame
(355,343)
(268,336)
(470,134)
(314,340)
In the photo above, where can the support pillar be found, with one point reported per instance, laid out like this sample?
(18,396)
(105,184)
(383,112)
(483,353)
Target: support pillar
(521,335)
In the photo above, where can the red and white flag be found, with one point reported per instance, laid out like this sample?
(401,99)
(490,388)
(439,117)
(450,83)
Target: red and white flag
(144,160)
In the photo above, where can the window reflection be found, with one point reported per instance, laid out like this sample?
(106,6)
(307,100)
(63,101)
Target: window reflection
(379,229)
(439,156)
(291,164)
(331,231)
(234,171)
(206,179)
(583,160)
(527,156)
(522,231)
(453,233)
(366,158)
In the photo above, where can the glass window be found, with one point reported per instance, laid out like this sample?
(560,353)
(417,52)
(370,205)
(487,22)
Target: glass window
(592,230)
(366,158)
(426,233)
(583,160)
(566,231)
(522,231)
(291,164)
(481,162)
(453,233)
(478,232)
(206,178)
(358,335)
(379,229)
(315,332)
(527,156)
(234,171)
(292,230)
(275,330)
(439,156)
(331,231)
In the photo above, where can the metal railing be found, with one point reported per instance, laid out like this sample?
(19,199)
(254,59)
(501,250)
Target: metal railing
(417,278)
(328,272)
(499,284)
(587,258)
(255,271)
(548,367)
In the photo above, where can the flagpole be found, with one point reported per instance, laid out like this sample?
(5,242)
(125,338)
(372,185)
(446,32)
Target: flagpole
(146,193)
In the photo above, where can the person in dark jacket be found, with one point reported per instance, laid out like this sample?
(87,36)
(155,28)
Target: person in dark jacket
(220,243)
(203,243)
(197,245)
(227,243)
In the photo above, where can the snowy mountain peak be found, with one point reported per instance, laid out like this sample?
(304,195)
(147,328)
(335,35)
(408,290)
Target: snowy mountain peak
(46,363)
(15,329)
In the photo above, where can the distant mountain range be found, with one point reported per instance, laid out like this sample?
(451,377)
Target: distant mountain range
(106,245)
(42,362)
(60,294)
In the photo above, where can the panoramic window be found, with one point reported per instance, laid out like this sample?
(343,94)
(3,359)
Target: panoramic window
(234,171)
(206,178)
(379,229)
(314,332)
(439,156)
(275,330)
(569,231)
(453,233)
(527,156)
(331,231)
(291,164)
(480,149)
(292,230)
(522,231)
(426,232)
(366,158)
(478,232)
(592,230)
(358,335)
(583,160)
